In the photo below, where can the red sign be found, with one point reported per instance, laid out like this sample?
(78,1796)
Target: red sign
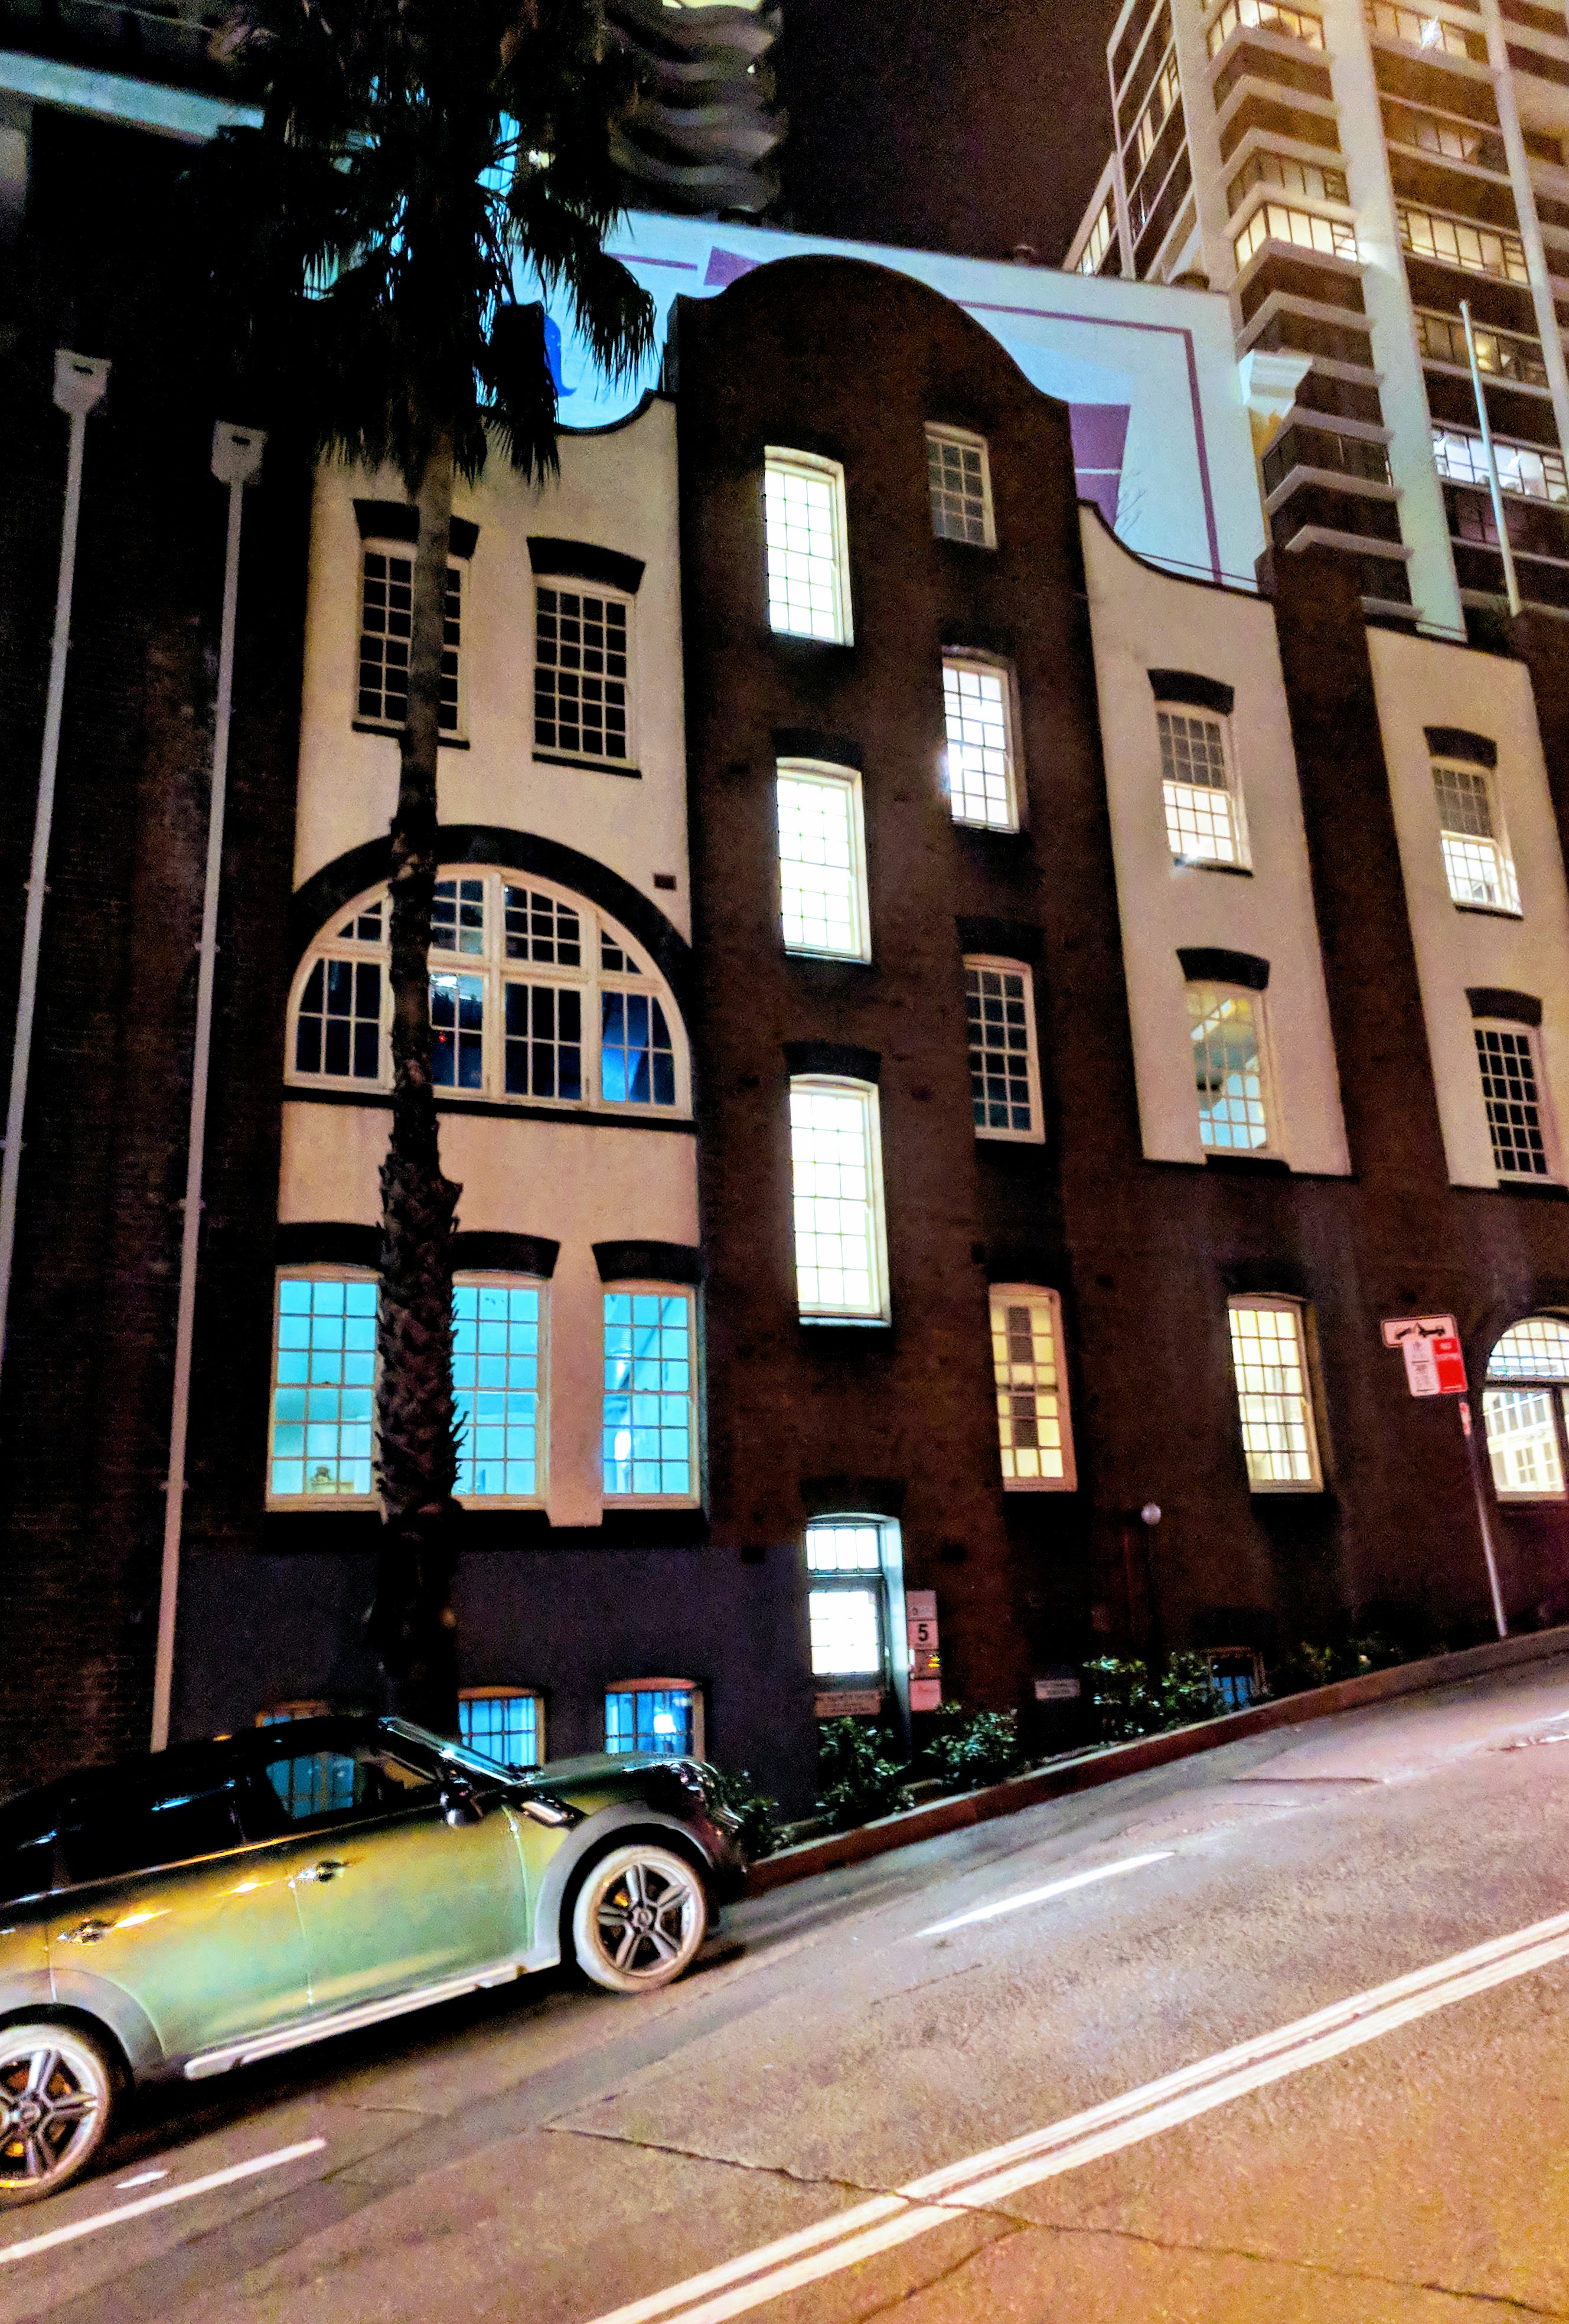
(1434,1365)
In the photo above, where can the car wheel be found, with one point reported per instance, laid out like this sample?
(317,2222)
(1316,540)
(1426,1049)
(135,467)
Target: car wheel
(639,1917)
(57,2091)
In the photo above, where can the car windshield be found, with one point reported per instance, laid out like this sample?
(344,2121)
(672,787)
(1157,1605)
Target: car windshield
(473,1763)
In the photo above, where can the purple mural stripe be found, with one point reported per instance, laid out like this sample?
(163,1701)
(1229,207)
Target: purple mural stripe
(727,266)
(1099,432)
(636,258)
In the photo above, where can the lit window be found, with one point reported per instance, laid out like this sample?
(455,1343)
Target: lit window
(386,628)
(1202,822)
(836,1167)
(1460,241)
(822,863)
(1525,1421)
(959,482)
(654,1718)
(323,1389)
(1512,354)
(1422,31)
(1250,14)
(1513,1100)
(845,1601)
(1004,1077)
(808,581)
(1270,1362)
(581,673)
(533,996)
(978,713)
(1279,222)
(1476,856)
(495,1379)
(1527,469)
(502,1723)
(1229,1068)
(1535,1350)
(1101,235)
(1032,1422)
(649,1433)
(1293,177)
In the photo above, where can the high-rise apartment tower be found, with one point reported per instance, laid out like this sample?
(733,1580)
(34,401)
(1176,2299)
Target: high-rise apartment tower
(1350,171)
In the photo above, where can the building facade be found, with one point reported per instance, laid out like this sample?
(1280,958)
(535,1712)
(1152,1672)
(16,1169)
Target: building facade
(1350,175)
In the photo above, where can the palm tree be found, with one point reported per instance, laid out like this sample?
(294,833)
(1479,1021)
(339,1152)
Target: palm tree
(417,159)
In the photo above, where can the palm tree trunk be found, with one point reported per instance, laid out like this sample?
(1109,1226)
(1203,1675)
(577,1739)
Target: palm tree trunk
(411,1625)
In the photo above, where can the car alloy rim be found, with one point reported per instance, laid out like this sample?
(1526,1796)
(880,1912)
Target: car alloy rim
(49,2104)
(643,1919)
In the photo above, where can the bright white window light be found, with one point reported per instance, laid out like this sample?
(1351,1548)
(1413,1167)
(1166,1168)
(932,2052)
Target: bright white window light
(836,1169)
(1200,819)
(1032,1430)
(1512,1096)
(808,593)
(979,730)
(1269,1362)
(1476,857)
(1228,1064)
(833,1548)
(845,1634)
(821,862)
(1522,1444)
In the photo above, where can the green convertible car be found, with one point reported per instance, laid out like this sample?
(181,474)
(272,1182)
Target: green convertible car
(224,1902)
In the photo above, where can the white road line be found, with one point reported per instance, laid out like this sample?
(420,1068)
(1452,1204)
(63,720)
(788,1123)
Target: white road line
(1040,1895)
(141,2179)
(847,2237)
(90,2225)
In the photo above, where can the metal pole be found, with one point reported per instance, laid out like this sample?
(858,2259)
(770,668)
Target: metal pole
(81,384)
(236,461)
(1510,584)
(1479,1489)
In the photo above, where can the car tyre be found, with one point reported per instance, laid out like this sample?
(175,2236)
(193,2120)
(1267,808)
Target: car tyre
(57,2094)
(640,1916)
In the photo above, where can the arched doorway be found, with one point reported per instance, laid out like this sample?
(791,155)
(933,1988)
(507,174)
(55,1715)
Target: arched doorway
(1526,1412)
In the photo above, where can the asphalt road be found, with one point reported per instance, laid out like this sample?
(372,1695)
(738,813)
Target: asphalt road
(806,2130)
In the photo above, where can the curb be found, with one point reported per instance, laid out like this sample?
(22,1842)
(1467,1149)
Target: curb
(1092,1769)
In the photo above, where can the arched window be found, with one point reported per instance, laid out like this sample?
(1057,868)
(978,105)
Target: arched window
(1524,1406)
(536,995)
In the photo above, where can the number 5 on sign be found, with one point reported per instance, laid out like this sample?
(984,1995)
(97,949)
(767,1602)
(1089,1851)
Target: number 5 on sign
(920,1614)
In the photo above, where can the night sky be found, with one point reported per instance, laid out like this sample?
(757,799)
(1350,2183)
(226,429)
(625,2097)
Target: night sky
(949,124)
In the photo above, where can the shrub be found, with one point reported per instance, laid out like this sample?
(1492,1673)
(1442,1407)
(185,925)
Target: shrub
(1304,1664)
(969,1748)
(759,1813)
(856,1783)
(1128,1702)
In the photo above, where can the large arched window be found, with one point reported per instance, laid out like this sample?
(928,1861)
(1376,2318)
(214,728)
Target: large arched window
(1524,1404)
(536,996)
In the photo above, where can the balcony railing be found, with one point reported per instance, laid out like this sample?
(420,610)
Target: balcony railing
(1278,222)
(1320,447)
(1531,470)
(1504,354)
(1264,15)
(1461,242)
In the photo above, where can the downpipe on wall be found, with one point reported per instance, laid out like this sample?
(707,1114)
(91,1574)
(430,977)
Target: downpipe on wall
(236,461)
(80,385)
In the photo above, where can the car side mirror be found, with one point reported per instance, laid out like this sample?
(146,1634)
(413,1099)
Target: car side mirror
(459,1807)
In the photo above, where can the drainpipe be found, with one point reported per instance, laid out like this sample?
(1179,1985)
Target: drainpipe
(236,461)
(80,385)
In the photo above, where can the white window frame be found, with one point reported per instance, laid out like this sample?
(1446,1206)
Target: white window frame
(689,1686)
(960,661)
(640,1288)
(316,1272)
(1034,1135)
(1270,1304)
(495,1279)
(456,568)
(1270,1147)
(865,1096)
(846,781)
(1503,854)
(557,754)
(590,980)
(966,440)
(850,1581)
(1523,1371)
(1242,859)
(1034,1296)
(506,1694)
(780,460)
(1531,1035)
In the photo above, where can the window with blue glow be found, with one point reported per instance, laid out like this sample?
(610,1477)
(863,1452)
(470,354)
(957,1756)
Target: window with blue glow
(497,1330)
(648,1445)
(505,1724)
(661,1722)
(323,1389)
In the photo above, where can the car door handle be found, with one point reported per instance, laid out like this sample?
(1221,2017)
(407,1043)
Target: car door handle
(86,1933)
(328,1869)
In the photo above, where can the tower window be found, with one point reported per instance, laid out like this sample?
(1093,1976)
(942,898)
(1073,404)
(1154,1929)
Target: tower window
(959,481)
(387,631)
(1512,1096)
(809,576)
(1269,1363)
(1033,1437)
(836,1167)
(978,714)
(1230,1068)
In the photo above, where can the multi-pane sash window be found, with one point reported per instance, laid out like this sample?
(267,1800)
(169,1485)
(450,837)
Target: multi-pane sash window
(1282,222)
(497,1365)
(649,1409)
(822,862)
(1230,1070)
(959,482)
(1458,242)
(978,713)
(846,1601)
(504,1723)
(1032,1420)
(659,1716)
(386,628)
(1525,1409)
(1511,1094)
(1270,1362)
(533,995)
(836,1169)
(1293,23)
(581,673)
(1005,1076)
(809,574)
(1477,862)
(1203,825)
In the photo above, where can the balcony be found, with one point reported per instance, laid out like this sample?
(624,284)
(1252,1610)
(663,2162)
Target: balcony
(1324,452)
(1506,355)
(1461,243)
(1532,471)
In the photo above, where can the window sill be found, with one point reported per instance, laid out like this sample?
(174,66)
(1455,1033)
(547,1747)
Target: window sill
(368,726)
(1530,1500)
(588,766)
(848,1323)
(830,959)
(1539,1190)
(1297,1493)
(1040,1484)
(1010,1136)
(1207,863)
(1487,911)
(1258,1166)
